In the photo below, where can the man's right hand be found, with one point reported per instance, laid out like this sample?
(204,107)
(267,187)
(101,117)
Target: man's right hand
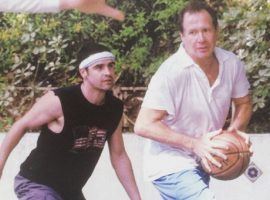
(204,148)
(92,7)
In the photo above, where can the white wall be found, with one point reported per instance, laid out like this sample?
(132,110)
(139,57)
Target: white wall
(242,188)
(103,185)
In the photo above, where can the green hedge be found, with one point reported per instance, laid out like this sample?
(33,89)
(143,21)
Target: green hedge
(40,50)
(245,29)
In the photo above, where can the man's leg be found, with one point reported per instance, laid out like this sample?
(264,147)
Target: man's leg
(190,184)
(28,190)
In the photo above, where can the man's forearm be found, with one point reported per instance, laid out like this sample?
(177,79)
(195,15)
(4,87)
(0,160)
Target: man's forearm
(123,169)
(241,116)
(158,131)
(10,141)
(52,6)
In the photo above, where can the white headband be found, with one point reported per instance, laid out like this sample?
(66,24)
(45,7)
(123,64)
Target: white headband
(94,58)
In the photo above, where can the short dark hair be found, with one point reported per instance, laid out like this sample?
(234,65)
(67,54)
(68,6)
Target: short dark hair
(197,6)
(90,48)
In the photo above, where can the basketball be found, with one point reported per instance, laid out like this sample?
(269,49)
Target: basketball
(238,157)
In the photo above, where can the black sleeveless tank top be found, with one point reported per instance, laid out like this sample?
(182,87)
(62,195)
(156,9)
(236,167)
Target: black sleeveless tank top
(64,161)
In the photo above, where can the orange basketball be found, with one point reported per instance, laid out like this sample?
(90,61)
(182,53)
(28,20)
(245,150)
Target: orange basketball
(238,157)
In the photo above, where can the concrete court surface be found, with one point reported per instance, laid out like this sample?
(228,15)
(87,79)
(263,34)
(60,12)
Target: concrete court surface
(103,185)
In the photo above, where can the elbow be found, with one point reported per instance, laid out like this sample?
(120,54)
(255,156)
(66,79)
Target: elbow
(119,160)
(20,126)
(147,122)
(114,164)
(140,129)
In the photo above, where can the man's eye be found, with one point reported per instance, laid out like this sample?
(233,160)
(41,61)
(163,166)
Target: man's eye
(98,67)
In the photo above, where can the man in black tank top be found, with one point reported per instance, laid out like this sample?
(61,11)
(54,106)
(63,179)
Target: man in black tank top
(75,123)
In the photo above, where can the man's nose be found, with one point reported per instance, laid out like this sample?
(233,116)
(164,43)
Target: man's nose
(201,37)
(108,70)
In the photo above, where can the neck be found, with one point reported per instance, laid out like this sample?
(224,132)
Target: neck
(211,69)
(207,64)
(93,95)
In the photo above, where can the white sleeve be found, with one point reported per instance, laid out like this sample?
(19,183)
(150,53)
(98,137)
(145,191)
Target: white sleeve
(241,84)
(159,93)
(30,6)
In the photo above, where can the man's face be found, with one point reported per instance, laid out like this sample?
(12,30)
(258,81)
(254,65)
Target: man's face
(199,35)
(101,75)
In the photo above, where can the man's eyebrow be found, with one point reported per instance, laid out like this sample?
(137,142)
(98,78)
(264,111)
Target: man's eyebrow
(101,64)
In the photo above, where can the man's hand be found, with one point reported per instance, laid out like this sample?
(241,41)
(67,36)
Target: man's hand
(92,6)
(242,135)
(205,149)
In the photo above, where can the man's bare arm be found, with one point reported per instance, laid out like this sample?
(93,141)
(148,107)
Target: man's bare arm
(46,6)
(44,111)
(92,6)
(149,124)
(122,165)
(241,113)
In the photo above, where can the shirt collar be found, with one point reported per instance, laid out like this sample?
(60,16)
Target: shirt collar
(183,57)
(187,61)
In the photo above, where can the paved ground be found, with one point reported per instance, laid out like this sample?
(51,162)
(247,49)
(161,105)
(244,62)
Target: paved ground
(104,185)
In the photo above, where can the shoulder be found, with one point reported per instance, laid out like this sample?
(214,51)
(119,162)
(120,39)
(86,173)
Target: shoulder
(225,55)
(69,98)
(48,98)
(172,67)
(173,71)
(230,61)
(66,90)
(48,103)
(233,68)
(114,108)
(174,62)
(114,101)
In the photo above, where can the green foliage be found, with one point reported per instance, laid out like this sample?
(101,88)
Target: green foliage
(40,50)
(33,53)
(246,31)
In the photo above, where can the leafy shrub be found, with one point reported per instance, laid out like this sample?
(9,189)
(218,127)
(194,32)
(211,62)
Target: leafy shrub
(40,50)
(245,29)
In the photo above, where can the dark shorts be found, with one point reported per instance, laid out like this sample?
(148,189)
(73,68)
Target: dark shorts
(29,190)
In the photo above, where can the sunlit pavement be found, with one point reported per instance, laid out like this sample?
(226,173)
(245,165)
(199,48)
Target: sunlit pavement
(104,185)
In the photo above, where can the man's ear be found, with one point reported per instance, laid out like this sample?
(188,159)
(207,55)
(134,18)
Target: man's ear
(181,35)
(83,72)
(217,31)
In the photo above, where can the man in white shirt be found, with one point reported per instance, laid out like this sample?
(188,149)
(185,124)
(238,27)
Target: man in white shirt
(186,104)
(43,6)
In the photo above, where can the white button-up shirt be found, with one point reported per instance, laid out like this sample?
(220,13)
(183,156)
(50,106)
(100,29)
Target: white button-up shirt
(31,6)
(194,107)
